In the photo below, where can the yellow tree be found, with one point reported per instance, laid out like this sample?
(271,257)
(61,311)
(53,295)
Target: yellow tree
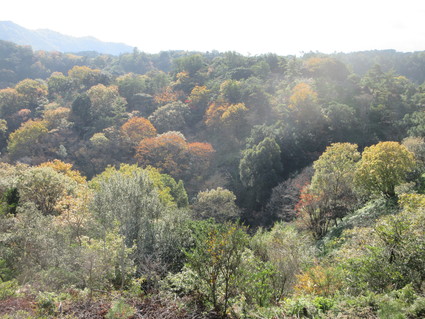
(226,115)
(198,101)
(24,141)
(303,103)
(199,97)
(65,169)
(384,166)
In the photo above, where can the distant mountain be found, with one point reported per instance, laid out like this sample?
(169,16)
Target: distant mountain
(48,40)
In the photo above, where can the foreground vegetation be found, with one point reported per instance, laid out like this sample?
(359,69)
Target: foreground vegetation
(211,186)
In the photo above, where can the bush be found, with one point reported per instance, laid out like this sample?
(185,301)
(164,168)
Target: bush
(318,280)
(20,314)
(323,304)
(417,309)
(46,303)
(8,289)
(300,307)
(120,309)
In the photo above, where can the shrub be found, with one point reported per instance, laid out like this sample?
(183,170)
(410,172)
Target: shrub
(120,309)
(8,289)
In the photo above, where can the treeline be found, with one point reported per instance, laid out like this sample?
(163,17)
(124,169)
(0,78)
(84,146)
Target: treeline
(212,185)
(90,112)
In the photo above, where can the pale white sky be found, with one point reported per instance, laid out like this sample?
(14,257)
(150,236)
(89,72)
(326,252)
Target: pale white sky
(246,26)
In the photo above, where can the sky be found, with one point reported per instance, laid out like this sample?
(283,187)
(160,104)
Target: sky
(250,27)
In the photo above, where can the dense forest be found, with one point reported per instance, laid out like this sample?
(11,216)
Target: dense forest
(211,185)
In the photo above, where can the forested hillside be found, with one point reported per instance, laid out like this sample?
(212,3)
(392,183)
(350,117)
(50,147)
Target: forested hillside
(212,185)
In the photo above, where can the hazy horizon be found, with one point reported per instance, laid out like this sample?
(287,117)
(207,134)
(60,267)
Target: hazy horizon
(282,27)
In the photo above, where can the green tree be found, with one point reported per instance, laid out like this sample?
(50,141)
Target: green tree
(171,117)
(342,120)
(84,78)
(216,259)
(34,93)
(191,64)
(287,250)
(416,145)
(45,187)
(10,102)
(3,134)
(137,91)
(59,85)
(333,178)
(389,101)
(231,91)
(81,113)
(131,84)
(101,258)
(415,123)
(392,254)
(170,192)
(128,196)
(383,166)
(218,204)
(107,106)
(260,168)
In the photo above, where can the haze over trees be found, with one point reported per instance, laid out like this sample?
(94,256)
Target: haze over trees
(211,185)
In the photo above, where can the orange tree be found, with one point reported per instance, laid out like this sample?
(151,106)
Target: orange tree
(137,128)
(170,153)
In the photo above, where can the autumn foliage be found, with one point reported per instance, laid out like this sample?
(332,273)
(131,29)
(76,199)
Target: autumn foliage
(319,280)
(173,155)
(302,94)
(225,114)
(65,169)
(138,128)
(167,95)
(313,213)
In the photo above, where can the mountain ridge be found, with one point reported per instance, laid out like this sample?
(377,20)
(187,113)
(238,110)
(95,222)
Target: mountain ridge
(49,40)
